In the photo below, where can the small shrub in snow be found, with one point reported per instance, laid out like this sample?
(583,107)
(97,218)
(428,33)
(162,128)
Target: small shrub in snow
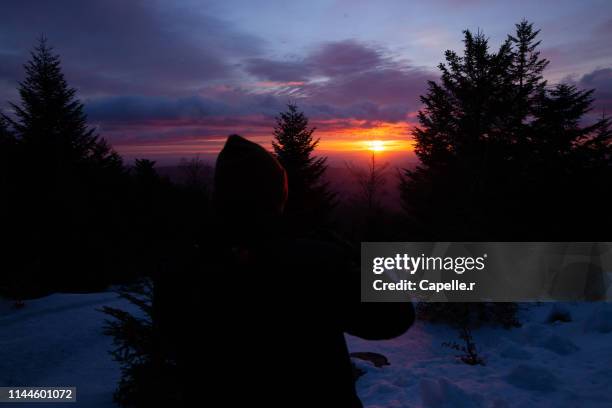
(144,370)
(469,351)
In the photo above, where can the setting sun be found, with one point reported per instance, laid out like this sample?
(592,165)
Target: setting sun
(376,145)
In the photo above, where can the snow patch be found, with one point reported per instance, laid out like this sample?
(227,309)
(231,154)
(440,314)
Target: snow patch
(557,344)
(444,394)
(600,320)
(533,378)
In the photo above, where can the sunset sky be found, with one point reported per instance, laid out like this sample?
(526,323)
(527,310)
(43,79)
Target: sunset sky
(170,79)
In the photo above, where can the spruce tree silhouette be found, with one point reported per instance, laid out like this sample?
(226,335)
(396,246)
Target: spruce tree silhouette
(371,182)
(527,67)
(68,179)
(145,174)
(502,155)
(310,200)
(50,121)
(575,161)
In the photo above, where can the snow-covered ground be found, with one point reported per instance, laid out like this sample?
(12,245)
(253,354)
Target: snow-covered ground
(58,341)
(539,364)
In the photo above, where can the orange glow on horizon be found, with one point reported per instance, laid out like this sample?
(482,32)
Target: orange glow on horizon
(335,146)
(336,138)
(362,136)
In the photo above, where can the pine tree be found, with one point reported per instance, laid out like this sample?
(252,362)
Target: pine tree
(501,153)
(50,122)
(70,180)
(310,199)
(371,182)
(461,134)
(526,70)
(145,174)
(505,157)
(145,366)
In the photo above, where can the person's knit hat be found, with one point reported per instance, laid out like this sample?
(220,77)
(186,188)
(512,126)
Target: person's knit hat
(250,184)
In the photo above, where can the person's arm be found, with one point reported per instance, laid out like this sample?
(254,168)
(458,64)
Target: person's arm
(375,320)
(368,320)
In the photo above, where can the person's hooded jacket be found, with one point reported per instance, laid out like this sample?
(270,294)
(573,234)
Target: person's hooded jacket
(274,310)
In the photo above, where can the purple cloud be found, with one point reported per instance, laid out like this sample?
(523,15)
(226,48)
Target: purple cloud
(134,46)
(325,84)
(283,71)
(601,81)
(345,58)
(351,79)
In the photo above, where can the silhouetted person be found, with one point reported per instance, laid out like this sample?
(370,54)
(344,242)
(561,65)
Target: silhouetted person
(273,310)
